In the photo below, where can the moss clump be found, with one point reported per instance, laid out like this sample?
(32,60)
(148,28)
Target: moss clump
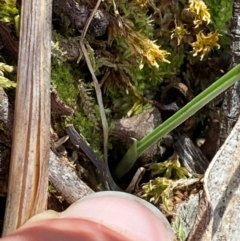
(8,11)
(67,80)
(221,13)
(5,82)
(128,61)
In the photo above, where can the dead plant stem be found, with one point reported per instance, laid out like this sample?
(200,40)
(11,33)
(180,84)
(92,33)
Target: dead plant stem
(95,81)
(111,184)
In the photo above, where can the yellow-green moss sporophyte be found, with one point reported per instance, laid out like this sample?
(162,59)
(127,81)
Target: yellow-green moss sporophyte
(139,147)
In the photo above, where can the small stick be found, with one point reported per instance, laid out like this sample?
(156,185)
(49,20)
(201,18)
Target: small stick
(66,182)
(28,179)
(102,167)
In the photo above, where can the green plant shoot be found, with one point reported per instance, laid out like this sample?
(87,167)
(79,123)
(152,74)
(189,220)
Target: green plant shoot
(139,147)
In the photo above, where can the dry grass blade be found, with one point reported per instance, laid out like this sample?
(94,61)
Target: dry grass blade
(111,184)
(28,182)
(95,81)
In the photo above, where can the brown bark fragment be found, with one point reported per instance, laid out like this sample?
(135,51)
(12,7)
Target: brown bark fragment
(66,182)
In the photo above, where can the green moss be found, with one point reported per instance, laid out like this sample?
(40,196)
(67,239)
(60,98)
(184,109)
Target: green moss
(8,11)
(145,83)
(90,131)
(5,82)
(141,83)
(65,81)
(77,94)
(221,13)
(127,88)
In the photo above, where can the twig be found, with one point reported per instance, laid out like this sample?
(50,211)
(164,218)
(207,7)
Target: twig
(58,106)
(79,143)
(66,181)
(136,180)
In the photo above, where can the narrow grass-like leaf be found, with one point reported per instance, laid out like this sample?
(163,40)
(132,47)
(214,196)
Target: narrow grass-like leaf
(178,118)
(126,164)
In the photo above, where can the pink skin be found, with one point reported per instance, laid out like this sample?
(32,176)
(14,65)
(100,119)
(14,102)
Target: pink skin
(66,230)
(104,216)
